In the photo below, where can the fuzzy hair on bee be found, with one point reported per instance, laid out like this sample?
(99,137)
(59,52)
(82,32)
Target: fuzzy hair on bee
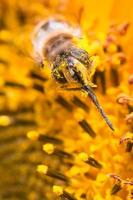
(52,40)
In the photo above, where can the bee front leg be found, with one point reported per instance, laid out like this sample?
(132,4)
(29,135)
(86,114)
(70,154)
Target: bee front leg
(57,72)
(77,76)
(81,55)
(84,58)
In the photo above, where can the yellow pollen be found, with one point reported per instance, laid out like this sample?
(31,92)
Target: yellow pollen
(48,148)
(74,171)
(96,62)
(129,135)
(78,115)
(116,61)
(5,35)
(42,169)
(112,48)
(5,120)
(83,156)
(95,48)
(33,135)
(58,190)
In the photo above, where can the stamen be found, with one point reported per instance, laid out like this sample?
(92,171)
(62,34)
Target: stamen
(47,138)
(129,118)
(34,135)
(80,103)
(10,121)
(58,190)
(122,28)
(114,77)
(44,169)
(64,103)
(87,128)
(100,75)
(114,176)
(37,76)
(50,149)
(56,174)
(127,137)
(89,160)
(124,99)
(130,80)
(119,183)
(129,147)
(38,87)
(14,84)
(63,154)
(68,196)
(20,110)
(116,188)
(9,138)
(23,122)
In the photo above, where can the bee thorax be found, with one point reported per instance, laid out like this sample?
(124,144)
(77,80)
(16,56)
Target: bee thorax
(56,45)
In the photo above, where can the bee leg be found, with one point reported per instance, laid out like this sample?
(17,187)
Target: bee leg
(94,99)
(72,89)
(84,58)
(74,72)
(77,76)
(81,55)
(68,87)
(57,72)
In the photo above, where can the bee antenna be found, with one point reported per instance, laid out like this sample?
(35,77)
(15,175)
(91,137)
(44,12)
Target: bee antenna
(93,97)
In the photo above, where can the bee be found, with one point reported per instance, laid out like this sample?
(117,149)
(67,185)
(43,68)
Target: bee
(52,40)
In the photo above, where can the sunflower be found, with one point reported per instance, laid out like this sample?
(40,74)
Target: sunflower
(54,143)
